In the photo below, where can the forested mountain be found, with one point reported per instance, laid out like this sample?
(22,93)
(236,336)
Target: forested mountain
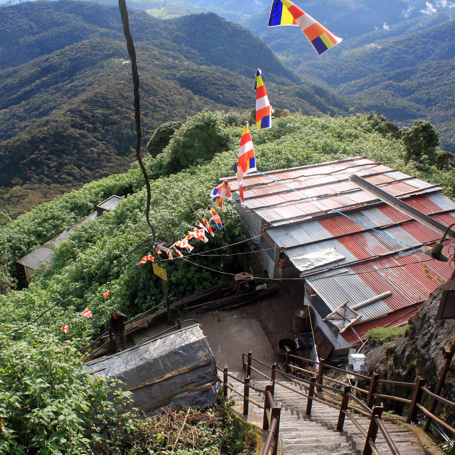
(66,91)
(405,78)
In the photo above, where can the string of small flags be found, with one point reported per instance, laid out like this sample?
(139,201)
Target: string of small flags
(283,12)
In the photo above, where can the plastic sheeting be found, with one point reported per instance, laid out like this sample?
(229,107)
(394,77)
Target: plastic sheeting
(176,370)
(316,259)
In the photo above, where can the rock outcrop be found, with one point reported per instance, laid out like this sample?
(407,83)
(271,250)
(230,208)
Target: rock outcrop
(418,353)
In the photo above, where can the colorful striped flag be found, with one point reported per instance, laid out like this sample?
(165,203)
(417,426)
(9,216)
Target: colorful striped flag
(207,225)
(247,161)
(106,294)
(146,258)
(184,244)
(215,217)
(169,254)
(222,191)
(217,202)
(65,328)
(87,313)
(285,12)
(263,108)
(178,252)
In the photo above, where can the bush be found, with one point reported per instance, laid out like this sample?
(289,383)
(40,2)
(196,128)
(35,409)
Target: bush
(420,141)
(50,405)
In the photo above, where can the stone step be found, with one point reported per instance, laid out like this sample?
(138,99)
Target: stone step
(317,434)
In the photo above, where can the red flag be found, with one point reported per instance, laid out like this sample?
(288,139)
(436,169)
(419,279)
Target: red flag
(65,328)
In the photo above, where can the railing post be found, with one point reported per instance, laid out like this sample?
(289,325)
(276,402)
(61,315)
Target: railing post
(225,381)
(373,429)
(272,377)
(267,406)
(343,407)
(372,391)
(248,368)
(276,413)
(179,324)
(320,373)
(416,398)
(286,362)
(448,354)
(246,395)
(309,402)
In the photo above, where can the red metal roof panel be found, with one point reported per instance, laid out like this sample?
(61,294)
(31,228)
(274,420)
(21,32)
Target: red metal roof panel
(369,275)
(394,214)
(395,319)
(420,232)
(354,247)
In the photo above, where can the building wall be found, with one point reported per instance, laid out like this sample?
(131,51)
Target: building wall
(269,257)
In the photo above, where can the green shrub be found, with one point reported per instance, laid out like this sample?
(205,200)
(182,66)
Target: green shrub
(49,405)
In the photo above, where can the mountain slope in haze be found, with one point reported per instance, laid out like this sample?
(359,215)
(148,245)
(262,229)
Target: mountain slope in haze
(405,78)
(66,96)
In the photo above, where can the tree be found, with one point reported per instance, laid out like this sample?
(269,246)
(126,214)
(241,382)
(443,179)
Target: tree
(161,137)
(420,141)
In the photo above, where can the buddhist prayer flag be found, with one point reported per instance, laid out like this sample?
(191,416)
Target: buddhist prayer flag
(208,227)
(285,12)
(263,108)
(217,202)
(201,226)
(87,313)
(184,244)
(215,217)
(178,252)
(106,294)
(169,254)
(65,328)
(247,161)
(222,191)
(146,258)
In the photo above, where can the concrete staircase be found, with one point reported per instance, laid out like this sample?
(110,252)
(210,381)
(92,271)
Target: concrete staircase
(317,435)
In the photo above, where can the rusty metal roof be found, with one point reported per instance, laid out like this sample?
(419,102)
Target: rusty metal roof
(300,210)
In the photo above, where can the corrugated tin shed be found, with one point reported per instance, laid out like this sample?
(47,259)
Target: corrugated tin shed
(312,208)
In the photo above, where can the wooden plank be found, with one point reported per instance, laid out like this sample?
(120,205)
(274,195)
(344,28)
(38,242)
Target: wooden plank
(323,345)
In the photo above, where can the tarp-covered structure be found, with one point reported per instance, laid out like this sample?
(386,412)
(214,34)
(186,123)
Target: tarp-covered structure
(176,370)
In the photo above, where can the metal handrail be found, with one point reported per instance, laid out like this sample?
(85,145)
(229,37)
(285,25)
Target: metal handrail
(344,406)
(404,384)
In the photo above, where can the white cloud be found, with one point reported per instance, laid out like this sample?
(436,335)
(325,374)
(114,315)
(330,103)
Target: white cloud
(385,26)
(429,10)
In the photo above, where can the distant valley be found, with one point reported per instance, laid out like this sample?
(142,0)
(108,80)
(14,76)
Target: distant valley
(66,108)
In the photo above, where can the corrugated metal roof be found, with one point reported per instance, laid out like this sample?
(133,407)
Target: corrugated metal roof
(290,219)
(395,319)
(441,201)
(336,290)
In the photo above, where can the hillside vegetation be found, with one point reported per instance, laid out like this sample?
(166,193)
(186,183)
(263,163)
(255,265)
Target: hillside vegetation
(102,254)
(66,107)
